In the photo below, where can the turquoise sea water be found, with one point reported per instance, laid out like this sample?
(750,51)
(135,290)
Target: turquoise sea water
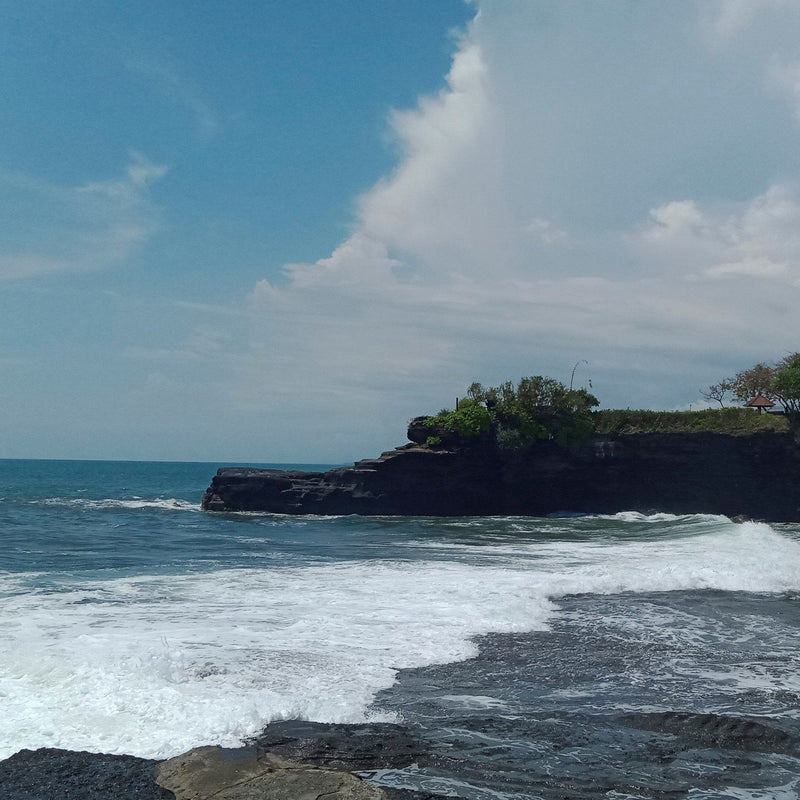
(132,622)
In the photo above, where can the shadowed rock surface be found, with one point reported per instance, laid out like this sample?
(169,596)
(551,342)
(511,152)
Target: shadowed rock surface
(365,748)
(51,774)
(201,774)
(717,730)
(755,476)
(350,747)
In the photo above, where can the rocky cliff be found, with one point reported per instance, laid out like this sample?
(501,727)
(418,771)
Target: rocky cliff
(756,476)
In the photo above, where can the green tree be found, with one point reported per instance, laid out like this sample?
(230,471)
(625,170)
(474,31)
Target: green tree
(537,408)
(780,382)
(756,380)
(786,388)
(469,419)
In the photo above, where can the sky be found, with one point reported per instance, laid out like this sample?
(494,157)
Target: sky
(276,232)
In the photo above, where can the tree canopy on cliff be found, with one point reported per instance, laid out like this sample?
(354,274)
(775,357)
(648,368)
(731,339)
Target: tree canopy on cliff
(773,381)
(536,408)
(786,386)
(779,382)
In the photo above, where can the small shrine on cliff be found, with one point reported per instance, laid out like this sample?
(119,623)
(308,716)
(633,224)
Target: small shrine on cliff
(760,402)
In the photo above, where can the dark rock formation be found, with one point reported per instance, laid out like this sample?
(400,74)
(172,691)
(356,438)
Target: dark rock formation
(242,773)
(364,748)
(755,476)
(717,730)
(356,748)
(51,774)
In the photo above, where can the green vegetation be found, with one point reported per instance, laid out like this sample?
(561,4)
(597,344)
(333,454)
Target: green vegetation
(539,408)
(733,421)
(786,386)
(469,419)
(536,408)
(764,379)
(778,382)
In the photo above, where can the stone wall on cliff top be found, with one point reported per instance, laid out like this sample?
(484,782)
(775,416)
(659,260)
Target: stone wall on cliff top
(756,476)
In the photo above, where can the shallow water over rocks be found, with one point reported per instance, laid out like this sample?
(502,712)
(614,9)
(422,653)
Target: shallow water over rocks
(612,702)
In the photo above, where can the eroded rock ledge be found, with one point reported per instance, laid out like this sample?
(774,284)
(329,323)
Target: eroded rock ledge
(288,760)
(204,773)
(755,476)
(214,773)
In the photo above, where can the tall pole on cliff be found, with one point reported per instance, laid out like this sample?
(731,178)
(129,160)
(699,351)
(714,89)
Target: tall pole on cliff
(572,377)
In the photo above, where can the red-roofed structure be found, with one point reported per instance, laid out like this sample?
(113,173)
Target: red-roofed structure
(760,402)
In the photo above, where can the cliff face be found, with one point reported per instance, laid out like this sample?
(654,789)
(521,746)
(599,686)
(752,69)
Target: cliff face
(756,476)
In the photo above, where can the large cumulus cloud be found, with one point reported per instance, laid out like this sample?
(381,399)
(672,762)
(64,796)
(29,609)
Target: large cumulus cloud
(533,220)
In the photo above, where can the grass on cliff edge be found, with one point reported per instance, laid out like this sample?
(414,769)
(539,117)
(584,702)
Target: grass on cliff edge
(733,421)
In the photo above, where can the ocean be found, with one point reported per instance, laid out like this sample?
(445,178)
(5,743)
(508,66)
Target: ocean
(619,656)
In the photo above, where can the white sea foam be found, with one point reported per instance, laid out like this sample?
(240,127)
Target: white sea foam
(165,504)
(788,791)
(154,665)
(473,701)
(638,516)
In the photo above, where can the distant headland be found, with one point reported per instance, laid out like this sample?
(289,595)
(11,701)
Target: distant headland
(539,448)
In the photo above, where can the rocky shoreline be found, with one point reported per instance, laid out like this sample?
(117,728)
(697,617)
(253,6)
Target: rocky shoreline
(756,476)
(298,760)
(245,773)
(293,760)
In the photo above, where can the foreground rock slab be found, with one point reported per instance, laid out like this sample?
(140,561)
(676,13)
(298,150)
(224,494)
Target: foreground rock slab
(216,773)
(53,774)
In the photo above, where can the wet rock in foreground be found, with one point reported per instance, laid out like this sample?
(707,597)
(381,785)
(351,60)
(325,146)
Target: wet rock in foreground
(246,774)
(717,730)
(52,774)
(350,747)
(364,748)
(204,773)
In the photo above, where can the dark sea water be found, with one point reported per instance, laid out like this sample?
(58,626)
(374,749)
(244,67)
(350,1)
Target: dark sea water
(617,657)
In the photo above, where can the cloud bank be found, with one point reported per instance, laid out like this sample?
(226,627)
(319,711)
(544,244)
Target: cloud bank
(466,263)
(612,187)
(75,228)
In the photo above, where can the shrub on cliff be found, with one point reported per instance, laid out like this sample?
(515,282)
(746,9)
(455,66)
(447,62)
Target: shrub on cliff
(517,416)
(537,408)
(469,420)
(733,421)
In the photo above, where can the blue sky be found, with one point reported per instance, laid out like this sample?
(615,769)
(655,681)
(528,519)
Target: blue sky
(276,231)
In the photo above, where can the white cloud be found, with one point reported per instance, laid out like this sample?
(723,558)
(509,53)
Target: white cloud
(786,78)
(757,266)
(50,228)
(456,270)
(360,262)
(24,265)
(758,240)
(168,80)
(546,231)
(444,204)
(730,17)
